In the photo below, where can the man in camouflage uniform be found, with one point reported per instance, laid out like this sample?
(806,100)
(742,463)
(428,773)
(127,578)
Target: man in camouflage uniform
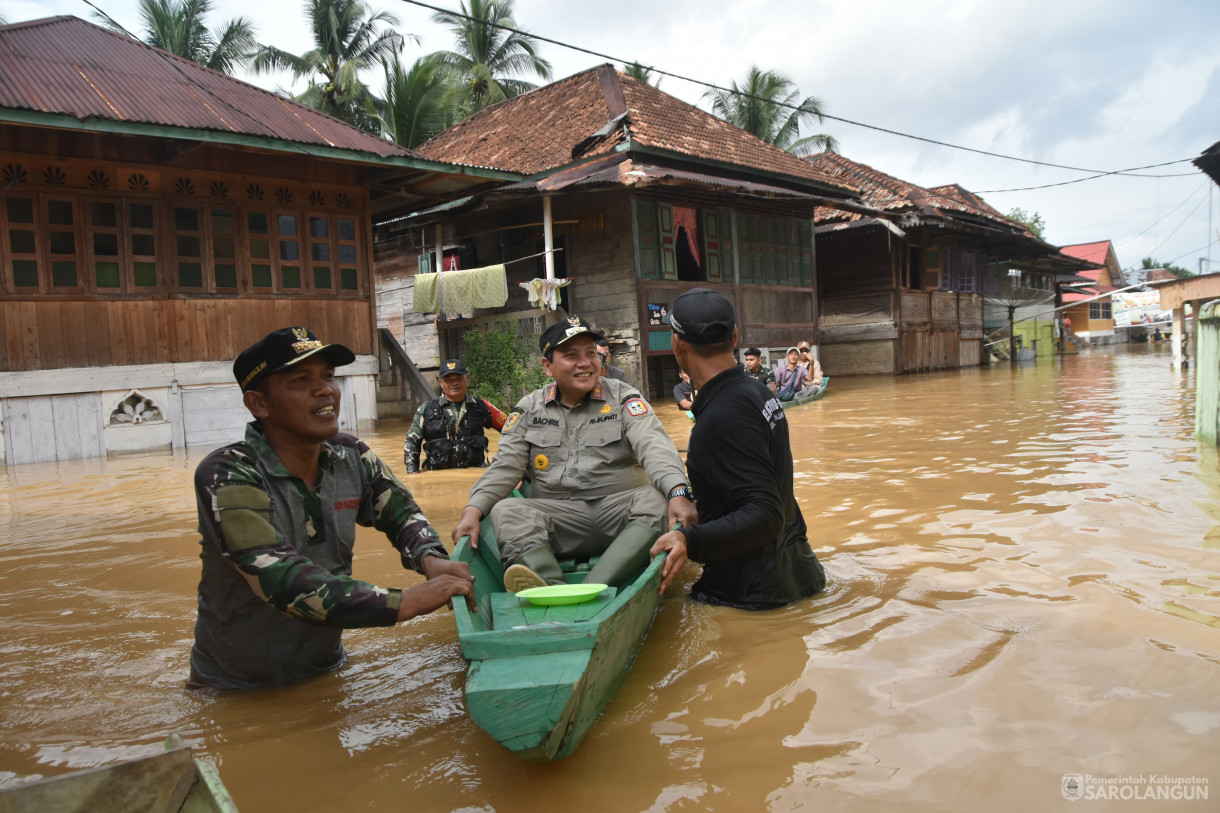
(604,475)
(449,429)
(754,366)
(278,514)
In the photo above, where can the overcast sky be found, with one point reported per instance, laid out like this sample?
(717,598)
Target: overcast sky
(1095,84)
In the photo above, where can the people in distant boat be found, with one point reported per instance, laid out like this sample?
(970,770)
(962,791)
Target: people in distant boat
(684,396)
(755,367)
(278,514)
(813,370)
(608,369)
(750,537)
(604,476)
(449,428)
(790,377)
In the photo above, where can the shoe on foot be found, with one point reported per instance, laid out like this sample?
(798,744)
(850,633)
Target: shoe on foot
(520,577)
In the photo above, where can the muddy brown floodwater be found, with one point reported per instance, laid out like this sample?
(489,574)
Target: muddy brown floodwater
(1024,573)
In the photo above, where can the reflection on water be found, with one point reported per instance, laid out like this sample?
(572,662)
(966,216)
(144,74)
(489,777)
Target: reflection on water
(1024,583)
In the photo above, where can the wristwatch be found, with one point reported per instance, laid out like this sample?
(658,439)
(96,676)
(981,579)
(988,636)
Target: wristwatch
(681,491)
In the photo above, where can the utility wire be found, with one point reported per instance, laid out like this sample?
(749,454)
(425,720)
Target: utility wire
(1185,201)
(702,83)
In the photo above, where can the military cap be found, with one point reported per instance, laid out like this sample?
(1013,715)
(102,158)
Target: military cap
(281,349)
(703,316)
(452,367)
(561,332)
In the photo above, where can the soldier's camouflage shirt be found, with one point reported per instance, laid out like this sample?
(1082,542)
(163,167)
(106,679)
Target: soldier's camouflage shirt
(276,589)
(764,374)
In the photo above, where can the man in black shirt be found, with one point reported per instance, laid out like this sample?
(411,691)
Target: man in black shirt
(750,536)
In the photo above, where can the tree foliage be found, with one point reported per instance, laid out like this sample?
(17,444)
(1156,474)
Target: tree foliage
(349,38)
(768,105)
(502,367)
(487,58)
(1030,220)
(419,102)
(179,27)
(1148,264)
(643,73)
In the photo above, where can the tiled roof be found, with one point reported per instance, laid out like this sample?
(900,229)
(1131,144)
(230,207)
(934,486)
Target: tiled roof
(890,194)
(583,116)
(66,66)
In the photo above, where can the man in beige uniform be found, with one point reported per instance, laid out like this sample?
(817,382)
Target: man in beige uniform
(601,468)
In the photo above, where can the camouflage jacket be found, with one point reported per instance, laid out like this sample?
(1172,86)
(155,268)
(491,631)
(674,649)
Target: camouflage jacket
(765,374)
(276,554)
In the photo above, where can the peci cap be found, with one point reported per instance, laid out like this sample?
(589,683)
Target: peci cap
(281,349)
(802,346)
(561,332)
(452,367)
(753,351)
(702,316)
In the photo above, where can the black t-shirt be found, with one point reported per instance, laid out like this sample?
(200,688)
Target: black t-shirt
(750,536)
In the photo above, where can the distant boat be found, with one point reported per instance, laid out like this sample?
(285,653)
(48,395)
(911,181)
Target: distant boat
(171,782)
(804,397)
(540,677)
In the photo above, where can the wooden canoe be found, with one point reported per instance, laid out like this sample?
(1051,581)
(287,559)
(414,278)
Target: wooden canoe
(803,399)
(170,782)
(539,677)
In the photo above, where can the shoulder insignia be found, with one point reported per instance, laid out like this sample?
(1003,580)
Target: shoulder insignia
(513,417)
(636,406)
(597,390)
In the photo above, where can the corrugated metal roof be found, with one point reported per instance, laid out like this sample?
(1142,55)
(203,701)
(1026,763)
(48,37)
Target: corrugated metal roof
(66,66)
(549,127)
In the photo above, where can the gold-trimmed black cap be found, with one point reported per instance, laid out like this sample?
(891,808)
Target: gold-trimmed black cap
(561,332)
(452,367)
(281,349)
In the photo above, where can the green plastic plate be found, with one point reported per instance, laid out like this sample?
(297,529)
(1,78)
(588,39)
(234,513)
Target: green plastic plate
(562,594)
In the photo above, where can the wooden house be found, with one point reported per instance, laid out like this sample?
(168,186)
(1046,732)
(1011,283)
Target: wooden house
(1091,314)
(156,218)
(643,197)
(931,287)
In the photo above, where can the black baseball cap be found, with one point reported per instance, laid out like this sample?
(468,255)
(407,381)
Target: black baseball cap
(753,351)
(281,349)
(703,316)
(561,332)
(452,367)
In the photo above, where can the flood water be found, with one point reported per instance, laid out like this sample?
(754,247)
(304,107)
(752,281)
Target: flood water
(1024,571)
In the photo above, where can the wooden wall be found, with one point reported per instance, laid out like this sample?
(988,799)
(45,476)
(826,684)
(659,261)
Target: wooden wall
(44,335)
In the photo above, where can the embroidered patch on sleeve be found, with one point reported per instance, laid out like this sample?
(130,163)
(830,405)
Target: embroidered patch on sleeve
(512,421)
(636,406)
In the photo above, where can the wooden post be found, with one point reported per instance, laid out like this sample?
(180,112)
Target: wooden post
(548,237)
(1179,317)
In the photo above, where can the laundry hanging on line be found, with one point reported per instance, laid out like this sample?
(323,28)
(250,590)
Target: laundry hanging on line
(544,293)
(461,291)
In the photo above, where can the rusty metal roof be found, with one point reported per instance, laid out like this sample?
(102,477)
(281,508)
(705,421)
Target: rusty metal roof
(66,66)
(601,111)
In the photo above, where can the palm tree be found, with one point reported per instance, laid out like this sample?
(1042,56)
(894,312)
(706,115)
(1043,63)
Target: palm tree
(488,57)
(177,26)
(643,73)
(419,103)
(348,38)
(766,104)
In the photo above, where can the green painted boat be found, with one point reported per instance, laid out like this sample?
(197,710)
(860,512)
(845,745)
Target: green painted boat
(170,782)
(801,400)
(539,677)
